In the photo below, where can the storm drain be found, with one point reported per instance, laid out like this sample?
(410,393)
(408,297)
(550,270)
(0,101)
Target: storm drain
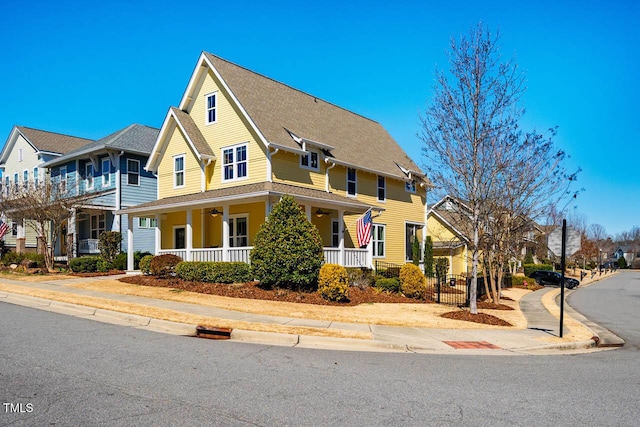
(213,333)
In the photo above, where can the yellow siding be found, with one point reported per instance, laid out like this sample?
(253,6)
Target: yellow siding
(193,169)
(286,169)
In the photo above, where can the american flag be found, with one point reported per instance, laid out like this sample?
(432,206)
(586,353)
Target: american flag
(363,229)
(3,228)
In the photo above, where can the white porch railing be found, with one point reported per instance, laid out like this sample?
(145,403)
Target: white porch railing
(353,257)
(88,246)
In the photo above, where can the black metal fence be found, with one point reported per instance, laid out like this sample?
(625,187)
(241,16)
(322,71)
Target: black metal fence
(452,289)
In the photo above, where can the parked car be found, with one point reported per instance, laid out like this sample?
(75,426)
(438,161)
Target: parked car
(544,277)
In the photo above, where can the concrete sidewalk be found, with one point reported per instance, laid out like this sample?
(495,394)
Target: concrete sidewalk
(540,337)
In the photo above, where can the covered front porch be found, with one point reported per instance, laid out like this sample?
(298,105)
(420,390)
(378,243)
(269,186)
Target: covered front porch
(220,225)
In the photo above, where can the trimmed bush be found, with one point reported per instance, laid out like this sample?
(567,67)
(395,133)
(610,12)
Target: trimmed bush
(214,272)
(164,265)
(120,262)
(360,277)
(530,268)
(109,244)
(388,284)
(287,250)
(137,256)
(413,284)
(85,264)
(145,264)
(103,265)
(333,282)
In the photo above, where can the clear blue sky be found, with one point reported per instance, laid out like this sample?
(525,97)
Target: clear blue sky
(90,68)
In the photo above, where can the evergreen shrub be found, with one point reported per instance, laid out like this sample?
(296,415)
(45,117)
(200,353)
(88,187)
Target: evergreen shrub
(145,264)
(333,282)
(387,284)
(84,264)
(413,284)
(288,250)
(214,272)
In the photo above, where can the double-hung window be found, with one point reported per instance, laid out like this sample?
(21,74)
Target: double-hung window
(212,112)
(378,240)
(7,185)
(234,162)
(36,177)
(351,182)
(309,161)
(382,189)
(97,225)
(178,171)
(63,179)
(25,180)
(133,172)
(106,172)
(88,171)
(16,184)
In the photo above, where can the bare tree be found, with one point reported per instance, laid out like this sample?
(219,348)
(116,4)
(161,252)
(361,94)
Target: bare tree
(475,151)
(44,208)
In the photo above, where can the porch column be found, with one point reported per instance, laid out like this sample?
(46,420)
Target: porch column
(158,235)
(307,210)
(129,242)
(341,236)
(72,235)
(225,233)
(370,253)
(189,235)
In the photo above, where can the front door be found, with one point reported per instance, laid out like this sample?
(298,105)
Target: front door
(179,238)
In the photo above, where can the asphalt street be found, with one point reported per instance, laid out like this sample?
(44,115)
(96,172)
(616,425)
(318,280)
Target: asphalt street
(72,371)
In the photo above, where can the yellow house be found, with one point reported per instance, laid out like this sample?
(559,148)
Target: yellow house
(448,227)
(239,141)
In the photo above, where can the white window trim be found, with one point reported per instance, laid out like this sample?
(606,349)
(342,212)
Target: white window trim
(308,155)
(235,217)
(235,162)
(384,188)
(136,173)
(355,182)
(146,221)
(207,109)
(374,241)
(36,177)
(175,172)
(20,154)
(106,177)
(86,177)
(25,182)
(97,229)
(418,226)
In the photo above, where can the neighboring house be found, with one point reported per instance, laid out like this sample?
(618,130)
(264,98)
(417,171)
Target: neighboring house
(239,141)
(111,170)
(21,163)
(629,252)
(448,227)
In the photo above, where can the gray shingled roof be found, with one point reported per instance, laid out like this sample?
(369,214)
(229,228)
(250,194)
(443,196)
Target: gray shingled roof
(261,189)
(133,139)
(275,107)
(52,142)
(193,132)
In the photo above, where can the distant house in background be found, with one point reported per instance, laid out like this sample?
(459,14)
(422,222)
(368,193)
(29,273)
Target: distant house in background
(111,169)
(629,252)
(21,163)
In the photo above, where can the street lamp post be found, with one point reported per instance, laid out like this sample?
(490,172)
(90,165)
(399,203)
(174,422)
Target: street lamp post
(600,262)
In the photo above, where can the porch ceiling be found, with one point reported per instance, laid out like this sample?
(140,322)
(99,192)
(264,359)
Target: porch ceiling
(244,193)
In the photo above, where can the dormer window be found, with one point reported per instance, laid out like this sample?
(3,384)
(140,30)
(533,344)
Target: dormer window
(212,104)
(310,161)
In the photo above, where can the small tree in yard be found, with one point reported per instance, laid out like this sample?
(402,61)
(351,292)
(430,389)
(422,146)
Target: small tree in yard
(288,249)
(476,152)
(109,245)
(428,257)
(622,262)
(45,209)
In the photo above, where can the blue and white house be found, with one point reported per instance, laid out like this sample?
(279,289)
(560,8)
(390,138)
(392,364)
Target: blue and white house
(112,171)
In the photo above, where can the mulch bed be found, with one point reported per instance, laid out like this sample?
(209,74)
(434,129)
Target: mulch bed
(253,291)
(483,318)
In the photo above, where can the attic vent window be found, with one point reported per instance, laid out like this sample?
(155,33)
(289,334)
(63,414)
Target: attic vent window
(212,112)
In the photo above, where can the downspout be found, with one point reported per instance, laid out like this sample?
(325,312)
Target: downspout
(269,165)
(326,175)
